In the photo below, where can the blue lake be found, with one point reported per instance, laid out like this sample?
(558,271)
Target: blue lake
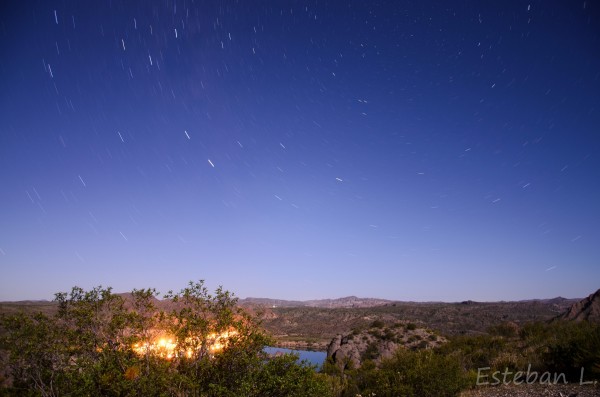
(314,358)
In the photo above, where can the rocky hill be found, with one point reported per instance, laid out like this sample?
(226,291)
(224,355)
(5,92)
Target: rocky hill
(379,342)
(587,309)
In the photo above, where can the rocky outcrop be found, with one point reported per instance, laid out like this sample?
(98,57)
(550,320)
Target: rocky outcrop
(379,342)
(587,309)
(344,352)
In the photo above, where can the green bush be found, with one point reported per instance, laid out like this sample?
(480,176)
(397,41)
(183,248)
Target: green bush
(388,334)
(376,333)
(475,351)
(377,324)
(573,347)
(507,330)
(411,374)
(371,353)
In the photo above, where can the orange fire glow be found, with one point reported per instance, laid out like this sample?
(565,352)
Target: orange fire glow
(166,346)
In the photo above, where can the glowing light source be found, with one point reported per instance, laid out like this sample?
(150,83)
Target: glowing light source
(166,347)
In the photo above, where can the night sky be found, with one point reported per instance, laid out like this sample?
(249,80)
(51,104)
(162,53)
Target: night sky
(416,150)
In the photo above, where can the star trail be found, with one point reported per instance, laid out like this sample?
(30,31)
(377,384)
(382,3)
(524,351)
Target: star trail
(299,150)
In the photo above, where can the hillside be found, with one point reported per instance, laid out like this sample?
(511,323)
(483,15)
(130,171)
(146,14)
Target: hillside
(587,309)
(314,327)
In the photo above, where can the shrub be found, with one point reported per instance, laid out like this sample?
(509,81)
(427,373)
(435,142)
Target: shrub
(411,374)
(388,334)
(507,330)
(375,333)
(475,351)
(371,353)
(574,346)
(377,324)
(422,345)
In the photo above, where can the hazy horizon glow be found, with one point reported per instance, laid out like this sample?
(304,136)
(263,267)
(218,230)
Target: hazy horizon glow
(290,150)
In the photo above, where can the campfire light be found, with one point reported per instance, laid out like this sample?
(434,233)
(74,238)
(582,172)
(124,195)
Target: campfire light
(166,347)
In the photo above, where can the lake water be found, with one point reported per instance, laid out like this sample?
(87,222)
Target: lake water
(314,358)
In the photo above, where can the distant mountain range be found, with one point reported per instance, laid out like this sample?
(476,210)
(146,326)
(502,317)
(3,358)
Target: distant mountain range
(346,302)
(588,305)
(356,302)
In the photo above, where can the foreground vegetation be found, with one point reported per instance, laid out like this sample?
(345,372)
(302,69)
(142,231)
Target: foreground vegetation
(97,344)
(203,344)
(545,353)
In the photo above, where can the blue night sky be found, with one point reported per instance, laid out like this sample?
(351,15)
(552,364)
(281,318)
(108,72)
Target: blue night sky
(297,150)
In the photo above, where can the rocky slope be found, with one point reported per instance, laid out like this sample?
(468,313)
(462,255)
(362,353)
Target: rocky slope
(379,342)
(587,309)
